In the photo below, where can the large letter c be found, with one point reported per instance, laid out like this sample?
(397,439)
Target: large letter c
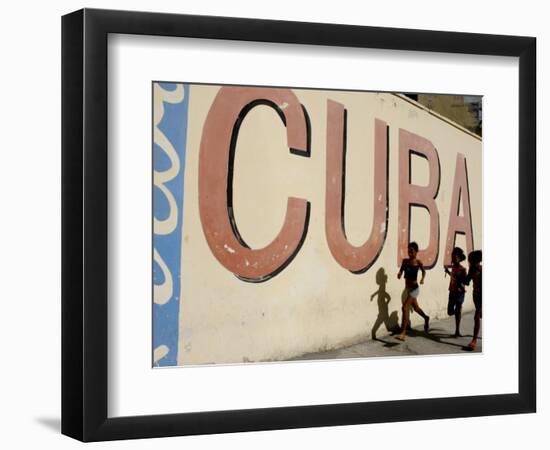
(217,149)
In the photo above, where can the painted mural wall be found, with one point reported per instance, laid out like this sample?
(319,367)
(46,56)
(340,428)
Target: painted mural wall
(281,217)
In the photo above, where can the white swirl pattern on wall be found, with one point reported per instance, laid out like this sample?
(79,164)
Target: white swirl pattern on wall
(163,293)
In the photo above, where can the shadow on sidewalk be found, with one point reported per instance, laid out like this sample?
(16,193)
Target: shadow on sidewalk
(437,337)
(387,344)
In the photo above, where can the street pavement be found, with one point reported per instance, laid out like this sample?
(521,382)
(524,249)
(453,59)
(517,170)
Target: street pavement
(438,340)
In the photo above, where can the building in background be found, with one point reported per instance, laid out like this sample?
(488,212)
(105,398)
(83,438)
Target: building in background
(465,110)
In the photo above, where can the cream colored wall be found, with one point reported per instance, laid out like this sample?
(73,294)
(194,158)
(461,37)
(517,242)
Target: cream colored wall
(314,304)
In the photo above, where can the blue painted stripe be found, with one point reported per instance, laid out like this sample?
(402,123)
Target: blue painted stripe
(166,316)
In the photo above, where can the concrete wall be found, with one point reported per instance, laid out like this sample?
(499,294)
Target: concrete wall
(315,303)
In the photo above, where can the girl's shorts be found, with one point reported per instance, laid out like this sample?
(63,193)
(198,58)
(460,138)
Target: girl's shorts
(455,302)
(414,293)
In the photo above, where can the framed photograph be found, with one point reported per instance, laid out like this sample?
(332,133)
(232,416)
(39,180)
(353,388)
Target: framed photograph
(273,224)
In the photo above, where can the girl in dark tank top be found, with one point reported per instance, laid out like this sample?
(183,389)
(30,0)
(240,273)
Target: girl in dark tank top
(410,268)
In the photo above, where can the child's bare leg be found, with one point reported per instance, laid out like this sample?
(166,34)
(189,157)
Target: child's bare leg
(458,316)
(405,309)
(477,325)
(422,314)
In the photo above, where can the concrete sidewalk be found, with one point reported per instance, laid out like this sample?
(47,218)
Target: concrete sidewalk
(439,340)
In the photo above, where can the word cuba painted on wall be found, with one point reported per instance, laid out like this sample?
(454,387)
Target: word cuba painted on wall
(217,153)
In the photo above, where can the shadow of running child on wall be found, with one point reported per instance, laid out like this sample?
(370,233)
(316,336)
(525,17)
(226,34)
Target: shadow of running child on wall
(391,321)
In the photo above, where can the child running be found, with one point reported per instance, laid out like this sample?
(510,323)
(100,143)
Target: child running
(410,267)
(456,287)
(474,274)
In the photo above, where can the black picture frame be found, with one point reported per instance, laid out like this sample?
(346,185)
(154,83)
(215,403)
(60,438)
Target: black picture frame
(84,224)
